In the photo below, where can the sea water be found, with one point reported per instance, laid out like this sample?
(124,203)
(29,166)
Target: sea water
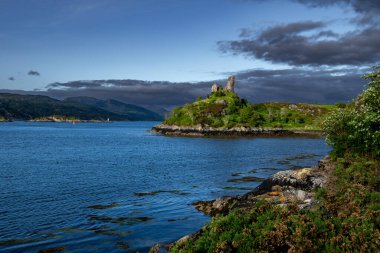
(116,187)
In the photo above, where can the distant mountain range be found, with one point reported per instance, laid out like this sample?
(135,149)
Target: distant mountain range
(37,107)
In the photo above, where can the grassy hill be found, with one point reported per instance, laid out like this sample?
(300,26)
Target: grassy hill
(131,112)
(32,107)
(224,109)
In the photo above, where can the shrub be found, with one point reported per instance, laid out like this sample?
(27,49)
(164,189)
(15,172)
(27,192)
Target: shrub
(340,105)
(357,126)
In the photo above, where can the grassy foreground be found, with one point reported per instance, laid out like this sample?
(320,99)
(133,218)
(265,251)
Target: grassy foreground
(346,217)
(224,109)
(345,220)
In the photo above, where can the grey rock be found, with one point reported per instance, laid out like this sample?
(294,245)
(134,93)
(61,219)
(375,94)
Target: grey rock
(305,179)
(199,130)
(158,248)
(300,195)
(184,239)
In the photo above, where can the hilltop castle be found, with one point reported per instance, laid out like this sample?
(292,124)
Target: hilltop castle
(229,86)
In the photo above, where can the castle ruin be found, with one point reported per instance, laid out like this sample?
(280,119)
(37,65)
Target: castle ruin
(230,86)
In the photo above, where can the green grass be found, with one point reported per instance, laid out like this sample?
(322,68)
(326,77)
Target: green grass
(226,110)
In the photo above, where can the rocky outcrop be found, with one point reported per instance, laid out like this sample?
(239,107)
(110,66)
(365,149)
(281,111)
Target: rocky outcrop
(281,188)
(202,131)
(230,84)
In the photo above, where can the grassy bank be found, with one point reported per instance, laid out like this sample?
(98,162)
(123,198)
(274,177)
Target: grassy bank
(346,219)
(224,109)
(346,216)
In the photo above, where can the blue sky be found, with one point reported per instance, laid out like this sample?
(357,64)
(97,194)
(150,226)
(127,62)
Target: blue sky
(163,53)
(169,40)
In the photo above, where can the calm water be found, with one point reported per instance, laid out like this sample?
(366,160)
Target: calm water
(114,187)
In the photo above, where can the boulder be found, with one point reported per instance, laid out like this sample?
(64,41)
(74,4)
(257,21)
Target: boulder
(280,188)
(158,248)
(305,179)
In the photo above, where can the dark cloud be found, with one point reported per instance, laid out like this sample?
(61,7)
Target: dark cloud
(146,93)
(367,10)
(105,83)
(278,33)
(300,85)
(326,34)
(289,44)
(287,85)
(11,78)
(33,73)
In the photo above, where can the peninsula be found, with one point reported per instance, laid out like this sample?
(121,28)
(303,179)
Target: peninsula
(224,113)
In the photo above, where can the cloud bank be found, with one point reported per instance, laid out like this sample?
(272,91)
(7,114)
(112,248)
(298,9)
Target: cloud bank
(289,44)
(367,10)
(287,85)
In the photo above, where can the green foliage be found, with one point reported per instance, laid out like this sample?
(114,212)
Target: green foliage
(340,105)
(224,109)
(357,126)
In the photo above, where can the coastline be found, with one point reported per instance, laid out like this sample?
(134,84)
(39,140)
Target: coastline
(69,121)
(280,189)
(55,120)
(200,131)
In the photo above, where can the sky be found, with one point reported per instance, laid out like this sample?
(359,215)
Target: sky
(164,53)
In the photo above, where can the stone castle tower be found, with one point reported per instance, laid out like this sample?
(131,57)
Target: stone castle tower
(230,86)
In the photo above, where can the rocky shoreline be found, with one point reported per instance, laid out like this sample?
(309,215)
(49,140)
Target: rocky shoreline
(282,188)
(69,121)
(201,131)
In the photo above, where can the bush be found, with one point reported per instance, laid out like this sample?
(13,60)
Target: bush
(340,105)
(357,126)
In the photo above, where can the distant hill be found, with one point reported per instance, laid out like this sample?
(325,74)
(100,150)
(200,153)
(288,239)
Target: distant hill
(163,112)
(131,112)
(36,107)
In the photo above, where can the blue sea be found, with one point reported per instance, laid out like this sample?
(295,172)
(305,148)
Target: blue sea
(116,187)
